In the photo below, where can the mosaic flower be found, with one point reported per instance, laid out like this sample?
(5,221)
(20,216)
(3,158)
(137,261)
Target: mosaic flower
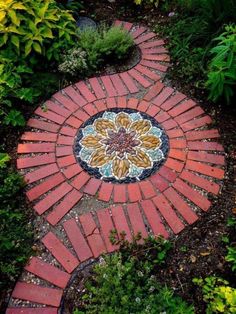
(121,145)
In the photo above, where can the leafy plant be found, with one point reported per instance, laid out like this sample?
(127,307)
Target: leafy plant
(219,296)
(15,118)
(222,68)
(125,282)
(153,2)
(74,62)
(231,256)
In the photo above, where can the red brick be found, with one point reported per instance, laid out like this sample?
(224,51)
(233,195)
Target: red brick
(133,103)
(143,106)
(145,71)
(138,32)
(147,189)
(151,44)
(111,92)
(35,161)
(106,226)
(65,101)
(48,272)
(85,92)
(154,219)
(191,194)
(154,91)
(127,26)
(97,88)
(121,102)
(45,186)
(129,83)
(37,136)
(181,206)
(139,78)
(154,65)
(207,185)
(90,109)
(118,84)
(174,133)
(158,182)
(37,294)
(136,220)
(144,38)
(41,173)
(118,23)
(69,201)
(77,240)
(65,140)
(42,125)
(153,110)
(201,135)
(35,148)
(205,169)
(32,310)
(75,96)
(168,213)
(181,108)
(92,186)
(52,198)
(164,94)
(174,164)
(83,116)
(206,157)
(111,103)
(50,115)
(57,109)
(169,124)
(167,173)
(162,116)
(72,121)
(178,143)
(152,57)
(120,222)
(149,51)
(105,192)
(193,113)
(80,180)
(196,123)
(177,154)
(119,195)
(173,101)
(60,252)
(134,192)
(66,161)
(92,234)
(64,151)
(205,146)
(101,106)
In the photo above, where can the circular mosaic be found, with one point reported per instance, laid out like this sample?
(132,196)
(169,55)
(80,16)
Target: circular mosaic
(121,145)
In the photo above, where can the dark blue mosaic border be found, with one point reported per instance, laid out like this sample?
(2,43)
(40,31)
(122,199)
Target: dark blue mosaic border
(146,173)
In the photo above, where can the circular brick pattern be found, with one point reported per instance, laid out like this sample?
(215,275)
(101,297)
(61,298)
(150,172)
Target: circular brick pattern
(165,202)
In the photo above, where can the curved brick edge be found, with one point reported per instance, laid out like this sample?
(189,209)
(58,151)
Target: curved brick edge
(168,201)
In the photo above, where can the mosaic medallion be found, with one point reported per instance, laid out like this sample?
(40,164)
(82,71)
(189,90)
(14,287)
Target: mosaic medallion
(121,145)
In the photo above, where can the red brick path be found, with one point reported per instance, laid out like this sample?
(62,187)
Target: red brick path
(165,203)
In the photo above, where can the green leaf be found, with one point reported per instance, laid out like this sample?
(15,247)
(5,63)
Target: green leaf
(16,42)
(4,158)
(37,47)
(14,17)
(14,118)
(28,47)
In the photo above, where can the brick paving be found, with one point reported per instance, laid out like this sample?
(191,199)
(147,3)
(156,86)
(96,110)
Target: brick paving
(164,203)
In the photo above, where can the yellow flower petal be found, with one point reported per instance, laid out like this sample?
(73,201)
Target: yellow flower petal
(141,126)
(149,141)
(91,141)
(120,167)
(122,119)
(99,158)
(102,125)
(141,159)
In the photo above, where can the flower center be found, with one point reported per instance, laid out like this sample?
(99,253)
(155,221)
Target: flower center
(121,142)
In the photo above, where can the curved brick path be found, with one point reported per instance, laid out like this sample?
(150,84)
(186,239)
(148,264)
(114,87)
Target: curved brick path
(164,203)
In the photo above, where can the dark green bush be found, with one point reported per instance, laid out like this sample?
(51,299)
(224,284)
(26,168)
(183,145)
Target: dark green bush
(15,234)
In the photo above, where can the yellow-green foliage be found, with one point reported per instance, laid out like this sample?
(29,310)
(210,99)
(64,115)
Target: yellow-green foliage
(154,2)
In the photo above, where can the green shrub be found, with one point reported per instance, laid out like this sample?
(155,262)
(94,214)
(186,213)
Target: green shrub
(222,67)
(125,283)
(231,256)
(15,234)
(219,296)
